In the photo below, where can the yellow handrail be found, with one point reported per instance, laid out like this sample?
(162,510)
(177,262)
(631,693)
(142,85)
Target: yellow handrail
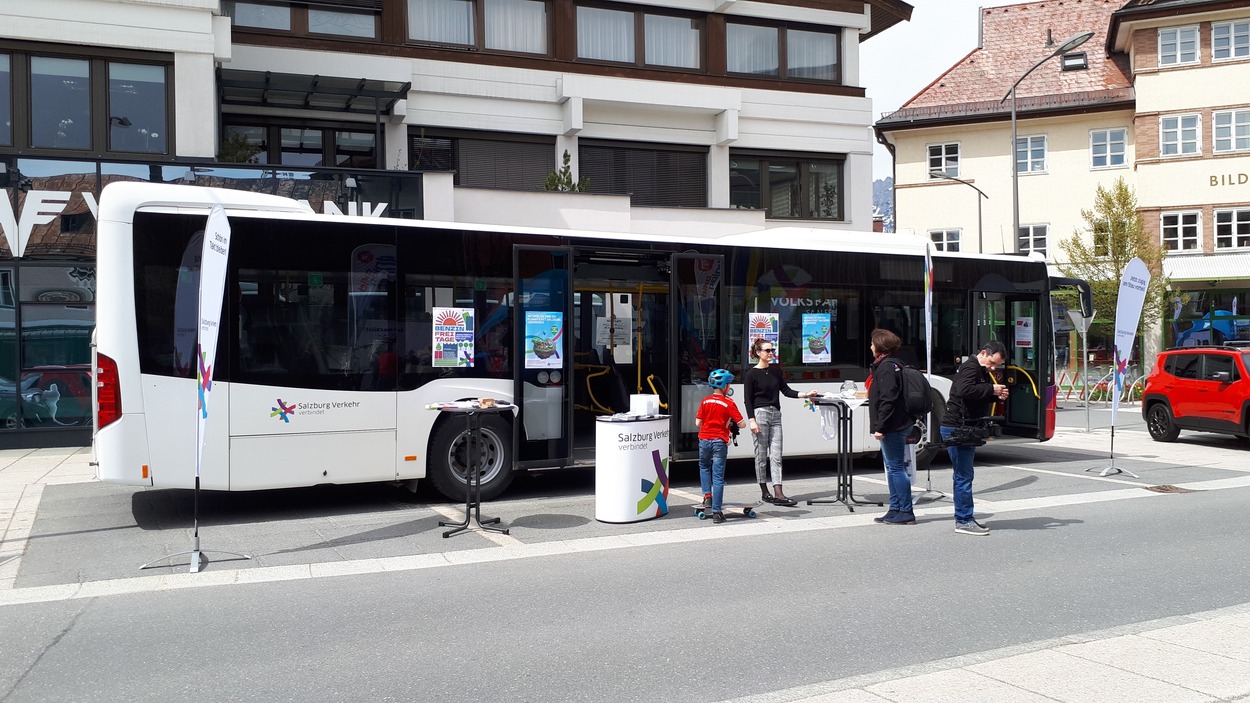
(1026,375)
(651,382)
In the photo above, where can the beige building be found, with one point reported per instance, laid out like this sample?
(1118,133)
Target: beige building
(1156,96)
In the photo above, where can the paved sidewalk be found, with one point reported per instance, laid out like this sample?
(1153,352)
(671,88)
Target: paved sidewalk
(1198,658)
(23,475)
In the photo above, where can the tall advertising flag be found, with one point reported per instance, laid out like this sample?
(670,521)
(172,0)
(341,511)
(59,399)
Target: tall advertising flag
(212,289)
(1128,307)
(928,305)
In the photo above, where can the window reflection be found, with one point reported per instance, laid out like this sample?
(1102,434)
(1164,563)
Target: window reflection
(137,108)
(60,103)
(6,101)
(55,387)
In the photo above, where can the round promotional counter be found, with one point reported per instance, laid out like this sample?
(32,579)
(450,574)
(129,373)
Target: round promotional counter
(631,467)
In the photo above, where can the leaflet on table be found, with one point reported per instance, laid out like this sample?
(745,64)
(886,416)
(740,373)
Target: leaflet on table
(453,337)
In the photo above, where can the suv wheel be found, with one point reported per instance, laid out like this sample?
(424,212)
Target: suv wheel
(1160,423)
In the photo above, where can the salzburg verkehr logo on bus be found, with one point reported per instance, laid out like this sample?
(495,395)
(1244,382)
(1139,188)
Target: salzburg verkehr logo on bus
(283,411)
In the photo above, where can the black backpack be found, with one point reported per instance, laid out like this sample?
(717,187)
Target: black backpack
(917,395)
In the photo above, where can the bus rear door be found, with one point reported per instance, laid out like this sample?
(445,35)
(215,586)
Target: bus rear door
(544,367)
(1021,321)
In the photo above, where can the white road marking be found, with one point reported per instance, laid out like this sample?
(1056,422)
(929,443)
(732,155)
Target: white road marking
(518,550)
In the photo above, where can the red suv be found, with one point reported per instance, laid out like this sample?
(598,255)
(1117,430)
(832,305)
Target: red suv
(1198,388)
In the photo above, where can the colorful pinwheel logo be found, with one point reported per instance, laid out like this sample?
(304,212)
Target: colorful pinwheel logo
(283,411)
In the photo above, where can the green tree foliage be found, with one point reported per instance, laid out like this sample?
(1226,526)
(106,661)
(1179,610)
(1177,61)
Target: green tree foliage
(1117,237)
(562,180)
(235,149)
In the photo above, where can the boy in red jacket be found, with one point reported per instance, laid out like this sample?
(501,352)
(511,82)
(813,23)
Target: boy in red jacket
(716,413)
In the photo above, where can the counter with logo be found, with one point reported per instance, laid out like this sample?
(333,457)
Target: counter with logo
(631,467)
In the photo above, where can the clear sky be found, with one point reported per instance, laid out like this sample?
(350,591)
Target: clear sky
(899,62)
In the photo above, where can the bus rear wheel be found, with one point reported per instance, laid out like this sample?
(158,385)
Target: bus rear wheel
(930,450)
(449,451)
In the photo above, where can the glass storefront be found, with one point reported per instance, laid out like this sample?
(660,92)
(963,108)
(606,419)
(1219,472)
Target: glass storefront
(1202,315)
(47,267)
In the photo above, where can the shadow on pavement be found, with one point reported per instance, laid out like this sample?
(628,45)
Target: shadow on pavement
(403,529)
(1032,523)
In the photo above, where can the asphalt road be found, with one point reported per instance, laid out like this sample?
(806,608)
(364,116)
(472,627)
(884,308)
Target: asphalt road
(670,609)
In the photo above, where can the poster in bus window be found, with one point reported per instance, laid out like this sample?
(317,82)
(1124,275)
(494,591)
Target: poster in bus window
(543,333)
(763,325)
(453,337)
(1024,332)
(816,338)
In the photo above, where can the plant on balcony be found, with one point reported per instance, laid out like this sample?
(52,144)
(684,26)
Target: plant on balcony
(562,180)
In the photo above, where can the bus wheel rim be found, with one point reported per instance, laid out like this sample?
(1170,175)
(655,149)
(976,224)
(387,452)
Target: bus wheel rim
(489,447)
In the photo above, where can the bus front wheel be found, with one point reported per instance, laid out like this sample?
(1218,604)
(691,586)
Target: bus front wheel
(448,469)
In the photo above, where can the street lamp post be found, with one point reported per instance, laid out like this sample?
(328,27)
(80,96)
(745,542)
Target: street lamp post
(1068,45)
(980,241)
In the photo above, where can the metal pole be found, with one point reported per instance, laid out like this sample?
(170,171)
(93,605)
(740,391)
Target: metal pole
(980,228)
(1085,380)
(1015,176)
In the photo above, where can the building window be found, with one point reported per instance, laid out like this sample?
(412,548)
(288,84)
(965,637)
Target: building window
(612,35)
(1230,40)
(1033,239)
(1178,45)
(485,159)
(1232,229)
(1031,154)
(85,105)
(357,21)
(1106,147)
(1231,129)
(518,26)
(945,239)
(6,101)
(756,50)
(1180,135)
(1102,238)
(786,186)
(307,147)
(1182,231)
(652,175)
(944,159)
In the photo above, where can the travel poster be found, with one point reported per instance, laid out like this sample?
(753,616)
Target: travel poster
(762,325)
(543,331)
(816,338)
(453,337)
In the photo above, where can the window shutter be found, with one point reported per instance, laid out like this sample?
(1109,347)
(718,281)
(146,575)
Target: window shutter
(487,163)
(654,177)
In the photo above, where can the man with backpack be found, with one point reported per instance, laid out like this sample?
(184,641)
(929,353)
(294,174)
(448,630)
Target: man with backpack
(972,395)
(890,422)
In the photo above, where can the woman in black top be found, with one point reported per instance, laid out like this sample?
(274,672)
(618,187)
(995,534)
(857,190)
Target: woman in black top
(764,386)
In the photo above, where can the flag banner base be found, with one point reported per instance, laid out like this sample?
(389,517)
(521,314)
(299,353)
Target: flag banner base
(199,557)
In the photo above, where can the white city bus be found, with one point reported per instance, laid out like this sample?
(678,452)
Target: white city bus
(338,331)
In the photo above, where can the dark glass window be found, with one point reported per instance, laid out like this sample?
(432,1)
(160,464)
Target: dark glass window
(787,186)
(651,176)
(60,103)
(6,100)
(1219,364)
(57,317)
(258,15)
(1184,365)
(137,108)
(341,23)
(300,146)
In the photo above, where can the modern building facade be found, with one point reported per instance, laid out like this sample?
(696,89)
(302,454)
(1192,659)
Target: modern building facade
(1148,98)
(695,117)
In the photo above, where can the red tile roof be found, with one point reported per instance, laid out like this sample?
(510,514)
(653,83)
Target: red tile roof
(1015,37)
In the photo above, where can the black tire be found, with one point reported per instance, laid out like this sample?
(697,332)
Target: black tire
(931,450)
(1161,424)
(446,469)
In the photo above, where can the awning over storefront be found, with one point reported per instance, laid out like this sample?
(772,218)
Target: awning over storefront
(1207,267)
(297,91)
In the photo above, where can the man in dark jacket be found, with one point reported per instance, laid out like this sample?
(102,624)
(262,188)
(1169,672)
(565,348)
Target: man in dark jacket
(889,423)
(973,393)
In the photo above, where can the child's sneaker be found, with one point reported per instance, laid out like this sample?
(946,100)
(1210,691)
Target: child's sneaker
(718,517)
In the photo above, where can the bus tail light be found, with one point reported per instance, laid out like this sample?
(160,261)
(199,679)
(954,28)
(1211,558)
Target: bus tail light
(108,392)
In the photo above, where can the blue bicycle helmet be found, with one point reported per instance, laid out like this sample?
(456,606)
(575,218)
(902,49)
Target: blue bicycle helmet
(720,378)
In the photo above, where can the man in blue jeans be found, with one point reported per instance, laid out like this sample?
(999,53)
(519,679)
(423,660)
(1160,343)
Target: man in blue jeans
(973,393)
(889,423)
